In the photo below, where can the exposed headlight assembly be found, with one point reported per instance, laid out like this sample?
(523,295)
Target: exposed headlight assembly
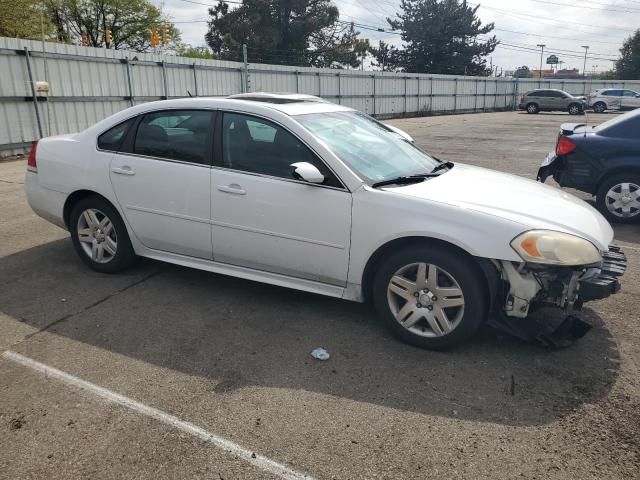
(555,248)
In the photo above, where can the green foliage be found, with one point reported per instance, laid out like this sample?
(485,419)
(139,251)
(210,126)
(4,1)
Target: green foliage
(288,32)
(628,66)
(130,22)
(387,57)
(195,52)
(22,19)
(441,36)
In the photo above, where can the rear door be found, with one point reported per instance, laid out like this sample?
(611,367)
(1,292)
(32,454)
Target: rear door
(162,182)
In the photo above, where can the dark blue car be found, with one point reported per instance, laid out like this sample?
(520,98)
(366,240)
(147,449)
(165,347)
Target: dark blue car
(603,161)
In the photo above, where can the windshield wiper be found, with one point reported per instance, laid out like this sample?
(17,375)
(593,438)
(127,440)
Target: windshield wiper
(442,166)
(405,180)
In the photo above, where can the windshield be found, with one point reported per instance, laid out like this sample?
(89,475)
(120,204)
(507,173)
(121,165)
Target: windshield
(370,149)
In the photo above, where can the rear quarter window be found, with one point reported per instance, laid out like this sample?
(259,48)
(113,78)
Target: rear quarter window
(113,139)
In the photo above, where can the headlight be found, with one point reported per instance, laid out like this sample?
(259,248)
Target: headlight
(555,248)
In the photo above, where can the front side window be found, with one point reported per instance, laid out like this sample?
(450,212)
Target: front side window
(369,149)
(629,93)
(255,145)
(182,135)
(113,139)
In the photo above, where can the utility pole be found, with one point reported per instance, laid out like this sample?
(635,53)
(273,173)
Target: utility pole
(541,45)
(584,68)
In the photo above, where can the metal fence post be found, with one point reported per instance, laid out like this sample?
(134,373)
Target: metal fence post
(374,93)
(127,66)
(33,91)
(339,90)
(164,80)
(195,79)
(418,109)
(455,96)
(430,94)
(475,96)
(319,85)
(404,113)
(495,96)
(245,69)
(297,74)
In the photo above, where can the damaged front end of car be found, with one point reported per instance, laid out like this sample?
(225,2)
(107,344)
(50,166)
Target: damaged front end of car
(528,286)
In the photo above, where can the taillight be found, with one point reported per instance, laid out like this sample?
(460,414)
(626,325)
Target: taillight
(31,161)
(564,146)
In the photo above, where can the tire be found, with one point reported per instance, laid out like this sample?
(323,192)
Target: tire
(575,109)
(599,107)
(99,235)
(532,108)
(399,302)
(615,198)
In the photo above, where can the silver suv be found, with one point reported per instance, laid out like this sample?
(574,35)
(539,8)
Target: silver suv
(552,100)
(614,99)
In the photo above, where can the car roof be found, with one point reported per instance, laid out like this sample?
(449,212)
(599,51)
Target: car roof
(546,90)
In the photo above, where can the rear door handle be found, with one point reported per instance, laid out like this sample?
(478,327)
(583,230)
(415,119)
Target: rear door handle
(125,170)
(233,188)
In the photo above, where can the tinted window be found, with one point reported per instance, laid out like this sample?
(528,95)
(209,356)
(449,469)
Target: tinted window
(554,94)
(114,138)
(177,135)
(539,93)
(629,93)
(255,145)
(612,93)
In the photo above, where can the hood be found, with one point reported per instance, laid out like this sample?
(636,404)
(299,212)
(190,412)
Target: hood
(532,204)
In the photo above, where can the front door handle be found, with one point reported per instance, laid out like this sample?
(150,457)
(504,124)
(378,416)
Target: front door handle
(233,188)
(124,170)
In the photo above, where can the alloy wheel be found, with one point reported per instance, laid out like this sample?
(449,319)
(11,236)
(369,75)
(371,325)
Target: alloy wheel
(622,200)
(574,109)
(97,235)
(425,299)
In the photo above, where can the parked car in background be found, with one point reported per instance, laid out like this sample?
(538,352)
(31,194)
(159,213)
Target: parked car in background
(613,99)
(603,161)
(322,198)
(550,100)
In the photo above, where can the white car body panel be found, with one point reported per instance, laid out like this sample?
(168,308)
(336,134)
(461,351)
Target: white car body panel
(308,237)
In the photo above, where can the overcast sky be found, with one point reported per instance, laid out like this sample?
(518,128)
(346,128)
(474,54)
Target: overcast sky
(563,25)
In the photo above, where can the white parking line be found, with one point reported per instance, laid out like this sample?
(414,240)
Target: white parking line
(278,469)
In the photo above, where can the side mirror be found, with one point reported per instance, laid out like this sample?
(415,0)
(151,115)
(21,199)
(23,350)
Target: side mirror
(638,95)
(307,172)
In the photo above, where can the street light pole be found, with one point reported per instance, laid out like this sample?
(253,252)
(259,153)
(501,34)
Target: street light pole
(584,68)
(541,45)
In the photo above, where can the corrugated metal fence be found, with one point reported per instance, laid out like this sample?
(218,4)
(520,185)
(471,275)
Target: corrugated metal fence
(88,84)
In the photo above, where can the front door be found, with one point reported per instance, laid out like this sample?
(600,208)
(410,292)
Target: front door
(163,184)
(263,218)
(630,100)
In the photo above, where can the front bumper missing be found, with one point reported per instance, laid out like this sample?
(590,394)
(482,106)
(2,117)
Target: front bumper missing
(599,286)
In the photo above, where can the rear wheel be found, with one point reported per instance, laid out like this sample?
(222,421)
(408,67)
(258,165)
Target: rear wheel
(532,108)
(618,198)
(430,297)
(99,235)
(575,109)
(599,107)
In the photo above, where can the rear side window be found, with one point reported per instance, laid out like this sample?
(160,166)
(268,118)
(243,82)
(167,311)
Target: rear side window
(182,135)
(113,139)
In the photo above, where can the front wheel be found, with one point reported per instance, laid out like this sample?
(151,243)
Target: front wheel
(430,297)
(618,198)
(99,235)
(575,109)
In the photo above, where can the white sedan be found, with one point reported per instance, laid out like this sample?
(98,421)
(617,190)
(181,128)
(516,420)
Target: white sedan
(322,198)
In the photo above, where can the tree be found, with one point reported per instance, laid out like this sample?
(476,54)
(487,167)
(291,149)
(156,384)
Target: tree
(23,19)
(194,52)
(441,36)
(628,66)
(288,32)
(130,22)
(387,57)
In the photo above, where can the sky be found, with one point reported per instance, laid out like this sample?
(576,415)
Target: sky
(564,26)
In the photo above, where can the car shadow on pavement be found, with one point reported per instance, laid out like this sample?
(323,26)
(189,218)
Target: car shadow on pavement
(237,333)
